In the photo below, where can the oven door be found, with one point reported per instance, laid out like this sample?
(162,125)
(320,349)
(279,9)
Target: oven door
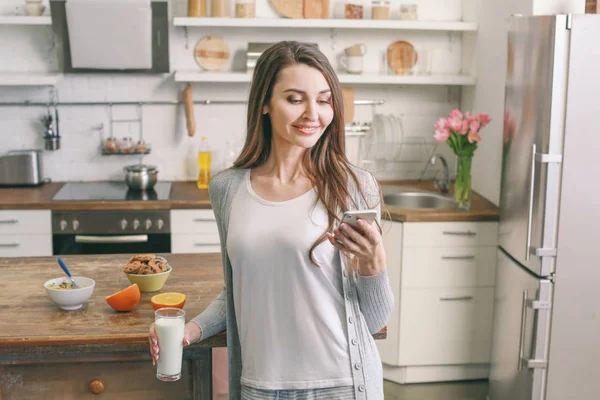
(66,244)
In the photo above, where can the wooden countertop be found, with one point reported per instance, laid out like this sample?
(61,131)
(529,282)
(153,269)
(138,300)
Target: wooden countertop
(29,318)
(481,208)
(185,195)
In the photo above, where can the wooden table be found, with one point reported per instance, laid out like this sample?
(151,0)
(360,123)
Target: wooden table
(44,349)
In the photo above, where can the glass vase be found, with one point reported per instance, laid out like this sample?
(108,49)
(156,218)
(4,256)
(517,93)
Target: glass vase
(462,185)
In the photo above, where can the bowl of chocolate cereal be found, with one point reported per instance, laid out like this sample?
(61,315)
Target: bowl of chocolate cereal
(149,271)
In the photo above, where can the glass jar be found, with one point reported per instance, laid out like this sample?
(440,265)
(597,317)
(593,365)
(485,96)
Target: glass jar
(111,145)
(245,8)
(141,147)
(220,9)
(353,10)
(408,12)
(127,145)
(380,9)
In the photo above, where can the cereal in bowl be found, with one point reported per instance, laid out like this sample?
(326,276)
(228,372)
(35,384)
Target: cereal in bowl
(146,264)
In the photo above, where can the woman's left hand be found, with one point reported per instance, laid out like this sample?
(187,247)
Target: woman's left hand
(364,242)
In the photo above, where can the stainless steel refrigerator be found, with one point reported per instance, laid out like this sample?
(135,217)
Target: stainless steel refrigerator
(546,340)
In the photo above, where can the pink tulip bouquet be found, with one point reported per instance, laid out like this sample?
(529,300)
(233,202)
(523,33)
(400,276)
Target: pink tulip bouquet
(461,132)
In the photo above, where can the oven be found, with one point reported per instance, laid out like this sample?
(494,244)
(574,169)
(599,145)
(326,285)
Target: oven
(110,232)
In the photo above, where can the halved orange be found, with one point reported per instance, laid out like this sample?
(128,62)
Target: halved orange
(126,299)
(172,299)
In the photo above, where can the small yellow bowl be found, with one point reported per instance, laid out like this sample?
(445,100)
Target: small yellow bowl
(150,282)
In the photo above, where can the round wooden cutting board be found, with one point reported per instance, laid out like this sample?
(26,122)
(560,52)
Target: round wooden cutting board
(211,53)
(401,56)
(289,8)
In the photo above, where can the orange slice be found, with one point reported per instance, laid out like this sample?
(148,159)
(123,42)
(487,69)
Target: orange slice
(173,299)
(126,299)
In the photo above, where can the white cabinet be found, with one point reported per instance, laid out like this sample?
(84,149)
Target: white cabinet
(194,231)
(443,277)
(25,233)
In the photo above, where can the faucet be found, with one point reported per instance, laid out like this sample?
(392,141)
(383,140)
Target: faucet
(444,183)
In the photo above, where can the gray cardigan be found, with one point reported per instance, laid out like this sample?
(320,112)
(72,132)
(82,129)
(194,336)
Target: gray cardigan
(368,299)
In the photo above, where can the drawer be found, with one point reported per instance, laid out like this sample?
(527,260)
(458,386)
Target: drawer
(25,245)
(450,234)
(123,380)
(193,221)
(445,326)
(446,267)
(198,243)
(25,221)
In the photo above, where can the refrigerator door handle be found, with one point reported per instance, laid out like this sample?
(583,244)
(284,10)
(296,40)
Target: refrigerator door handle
(523,327)
(530,210)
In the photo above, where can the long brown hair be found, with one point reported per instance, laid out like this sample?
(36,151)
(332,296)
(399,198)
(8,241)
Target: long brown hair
(325,163)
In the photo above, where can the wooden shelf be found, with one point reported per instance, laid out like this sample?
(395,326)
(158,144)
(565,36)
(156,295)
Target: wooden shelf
(24,20)
(241,77)
(28,79)
(326,24)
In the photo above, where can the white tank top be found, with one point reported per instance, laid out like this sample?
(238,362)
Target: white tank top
(290,313)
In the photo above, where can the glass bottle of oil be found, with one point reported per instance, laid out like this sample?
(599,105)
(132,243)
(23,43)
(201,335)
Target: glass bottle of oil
(204,161)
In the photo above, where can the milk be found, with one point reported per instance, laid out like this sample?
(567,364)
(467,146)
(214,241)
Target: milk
(170,343)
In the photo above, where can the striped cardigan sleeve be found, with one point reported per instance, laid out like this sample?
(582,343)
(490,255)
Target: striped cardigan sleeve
(375,296)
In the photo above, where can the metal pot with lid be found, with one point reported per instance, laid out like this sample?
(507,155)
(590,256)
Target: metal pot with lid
(140,176)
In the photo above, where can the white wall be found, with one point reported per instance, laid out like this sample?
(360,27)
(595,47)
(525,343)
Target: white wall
(490,63)
(28,48)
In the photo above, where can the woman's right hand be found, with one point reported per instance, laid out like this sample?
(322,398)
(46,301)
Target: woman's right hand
(191,334)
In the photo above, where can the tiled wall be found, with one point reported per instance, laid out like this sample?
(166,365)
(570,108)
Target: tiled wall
(29,48)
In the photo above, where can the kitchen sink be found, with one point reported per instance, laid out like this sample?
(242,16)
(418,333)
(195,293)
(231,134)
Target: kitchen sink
(416,199)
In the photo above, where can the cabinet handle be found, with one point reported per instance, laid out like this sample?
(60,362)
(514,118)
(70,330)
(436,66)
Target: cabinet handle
(205,244)
(96,386)
(15,244)
(204,220)
(457,298)
(530,205)
(9,221)
(458,257)
(460,233)
(523,327)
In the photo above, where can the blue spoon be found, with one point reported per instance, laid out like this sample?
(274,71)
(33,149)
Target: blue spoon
(64,267)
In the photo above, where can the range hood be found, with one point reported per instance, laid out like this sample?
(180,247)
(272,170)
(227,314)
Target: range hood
(159,47)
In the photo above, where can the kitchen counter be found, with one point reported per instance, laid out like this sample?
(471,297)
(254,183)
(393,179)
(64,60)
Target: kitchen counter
(68,354)
(30,318)
(185,195)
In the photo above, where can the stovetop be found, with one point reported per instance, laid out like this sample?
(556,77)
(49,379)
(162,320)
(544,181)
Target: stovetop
(110,191)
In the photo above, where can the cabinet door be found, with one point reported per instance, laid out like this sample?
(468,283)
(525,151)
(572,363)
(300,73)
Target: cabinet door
(450,234)
(13,222)
(193,221)
(445,326)
(392,241)
(25,245)
(429,267)
(197,243)
(123,380)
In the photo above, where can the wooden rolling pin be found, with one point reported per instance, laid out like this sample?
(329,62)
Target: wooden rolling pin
(188,103)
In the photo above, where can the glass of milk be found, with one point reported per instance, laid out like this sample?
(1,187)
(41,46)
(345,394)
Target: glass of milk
(169,324)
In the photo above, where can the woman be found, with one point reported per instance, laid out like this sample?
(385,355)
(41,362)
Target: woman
(302,295)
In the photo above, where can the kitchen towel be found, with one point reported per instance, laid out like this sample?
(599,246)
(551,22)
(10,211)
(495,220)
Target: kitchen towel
(110,34)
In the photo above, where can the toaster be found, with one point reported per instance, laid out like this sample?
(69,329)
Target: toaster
(21,168)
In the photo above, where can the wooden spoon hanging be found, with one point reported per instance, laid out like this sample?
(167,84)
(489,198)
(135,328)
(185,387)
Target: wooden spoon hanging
(187,99)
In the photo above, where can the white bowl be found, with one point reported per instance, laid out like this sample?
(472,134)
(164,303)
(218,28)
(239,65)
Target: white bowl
(71,299)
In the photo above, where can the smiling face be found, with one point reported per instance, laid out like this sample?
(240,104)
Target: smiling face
(300,107)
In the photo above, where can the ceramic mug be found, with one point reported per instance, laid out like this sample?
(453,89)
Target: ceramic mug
(353,64)
(356,50)
(34,9)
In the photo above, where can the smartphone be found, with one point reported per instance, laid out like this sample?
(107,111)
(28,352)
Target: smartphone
(352,217)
